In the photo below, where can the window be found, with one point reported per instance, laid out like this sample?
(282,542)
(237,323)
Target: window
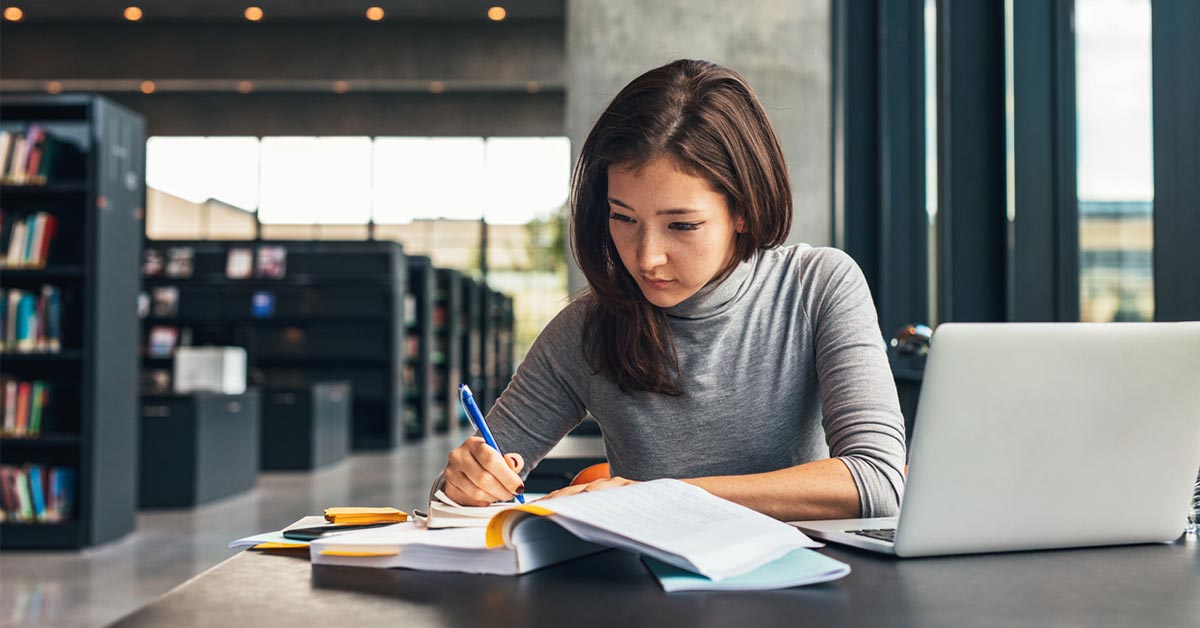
(1115,165)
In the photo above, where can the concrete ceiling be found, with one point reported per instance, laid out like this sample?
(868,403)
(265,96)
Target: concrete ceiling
(292,10)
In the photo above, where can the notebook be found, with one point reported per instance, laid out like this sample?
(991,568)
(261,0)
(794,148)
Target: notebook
(668,520)
(444,513)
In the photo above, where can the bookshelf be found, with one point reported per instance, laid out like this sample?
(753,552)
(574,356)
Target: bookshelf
(329,311)
(419,371)
(448,346)
(505,342)
(90,181)
(470,339)
(497,320)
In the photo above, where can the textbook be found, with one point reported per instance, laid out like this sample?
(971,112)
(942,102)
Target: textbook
(668,520)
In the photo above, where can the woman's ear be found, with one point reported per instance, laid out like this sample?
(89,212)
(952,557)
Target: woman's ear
(739,225)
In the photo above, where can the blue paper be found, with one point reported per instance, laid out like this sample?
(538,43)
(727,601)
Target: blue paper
(799,567)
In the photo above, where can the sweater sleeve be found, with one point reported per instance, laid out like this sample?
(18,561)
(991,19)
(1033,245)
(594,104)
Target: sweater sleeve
(547,395)
(861,411)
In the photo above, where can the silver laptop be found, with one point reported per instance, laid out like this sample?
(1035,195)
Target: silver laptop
(1045,435)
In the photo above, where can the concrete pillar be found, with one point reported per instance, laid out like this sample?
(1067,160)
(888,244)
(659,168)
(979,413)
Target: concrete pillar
(781,46)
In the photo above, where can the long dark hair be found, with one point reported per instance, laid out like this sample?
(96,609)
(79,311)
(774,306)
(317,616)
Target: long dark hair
(707,120)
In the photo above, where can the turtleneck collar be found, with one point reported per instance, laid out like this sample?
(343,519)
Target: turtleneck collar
(716,297)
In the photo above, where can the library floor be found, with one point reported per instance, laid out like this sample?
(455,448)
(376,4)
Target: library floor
(100,585)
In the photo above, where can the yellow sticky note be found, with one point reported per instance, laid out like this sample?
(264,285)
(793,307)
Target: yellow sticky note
(275,545)
(352,514)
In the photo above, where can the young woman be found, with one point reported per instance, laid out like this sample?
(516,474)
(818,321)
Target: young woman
(705,350)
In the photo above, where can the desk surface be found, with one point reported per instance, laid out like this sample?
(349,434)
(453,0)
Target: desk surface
(1146,585)
(1143,585)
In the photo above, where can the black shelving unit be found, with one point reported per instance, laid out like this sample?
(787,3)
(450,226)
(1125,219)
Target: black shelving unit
(487,339)
(98,198)
(496,310)
(505,343)
(419,368)
(336,314)
(447,348)
(470,339)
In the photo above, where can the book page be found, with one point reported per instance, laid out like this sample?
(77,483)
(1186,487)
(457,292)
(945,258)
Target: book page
(680,524)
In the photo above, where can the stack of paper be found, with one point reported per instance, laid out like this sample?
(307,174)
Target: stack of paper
(457,549)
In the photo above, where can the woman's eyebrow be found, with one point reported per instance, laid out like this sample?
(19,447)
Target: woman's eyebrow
(662,212)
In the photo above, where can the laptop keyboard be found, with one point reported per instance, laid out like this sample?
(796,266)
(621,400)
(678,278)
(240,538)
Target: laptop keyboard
(882,534)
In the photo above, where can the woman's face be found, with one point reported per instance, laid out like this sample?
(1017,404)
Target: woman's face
(674,232)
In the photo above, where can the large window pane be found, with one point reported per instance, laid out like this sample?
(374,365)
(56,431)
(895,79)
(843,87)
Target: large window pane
(527,178)
(931,150)
(426,177)
(201,187)
(316,180)
(1116,183)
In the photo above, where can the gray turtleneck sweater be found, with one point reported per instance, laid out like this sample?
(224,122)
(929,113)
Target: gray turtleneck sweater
(782,364)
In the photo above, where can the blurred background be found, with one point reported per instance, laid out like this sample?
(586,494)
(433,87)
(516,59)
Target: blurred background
(250,248)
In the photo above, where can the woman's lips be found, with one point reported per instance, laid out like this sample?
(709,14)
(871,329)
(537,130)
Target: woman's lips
(657,284)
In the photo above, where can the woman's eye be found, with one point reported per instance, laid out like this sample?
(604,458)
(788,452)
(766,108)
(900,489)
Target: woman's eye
(686,226)
(619,217)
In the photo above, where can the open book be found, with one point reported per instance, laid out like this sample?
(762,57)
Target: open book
(668,520)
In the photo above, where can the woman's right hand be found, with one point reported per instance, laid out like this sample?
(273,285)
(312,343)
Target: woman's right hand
(477,475)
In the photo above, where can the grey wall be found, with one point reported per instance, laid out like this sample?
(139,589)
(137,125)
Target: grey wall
(780,46)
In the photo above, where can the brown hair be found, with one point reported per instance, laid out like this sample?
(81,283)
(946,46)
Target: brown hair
(707,120)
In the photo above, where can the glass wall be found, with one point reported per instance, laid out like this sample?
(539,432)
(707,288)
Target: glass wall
(429,194)
(1115,160)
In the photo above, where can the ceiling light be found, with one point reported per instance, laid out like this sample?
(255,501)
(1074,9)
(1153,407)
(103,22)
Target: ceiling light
(497,14)
(375,14)
(147,87)
(13,14)
(254,14)
(133,14)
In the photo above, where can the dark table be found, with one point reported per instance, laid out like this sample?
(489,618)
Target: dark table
(1132,586)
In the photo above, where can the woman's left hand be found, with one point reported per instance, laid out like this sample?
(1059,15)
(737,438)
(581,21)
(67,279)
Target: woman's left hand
(590,487)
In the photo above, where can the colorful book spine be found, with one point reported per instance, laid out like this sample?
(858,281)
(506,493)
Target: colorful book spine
(33,321)
(27,239)
(24,407)
(36,493)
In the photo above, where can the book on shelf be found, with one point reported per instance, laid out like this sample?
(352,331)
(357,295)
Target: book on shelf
(162,341)
(165,301)
(410,310)
(34,493)
(36,157)
(31,322)
(667,520)
(156,381)
(262,304)
(25,406)
(153,262)
(239,262)
(25,240)
(272,262)
(180,261)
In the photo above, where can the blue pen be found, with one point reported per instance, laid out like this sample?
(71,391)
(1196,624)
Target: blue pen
(468,402)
